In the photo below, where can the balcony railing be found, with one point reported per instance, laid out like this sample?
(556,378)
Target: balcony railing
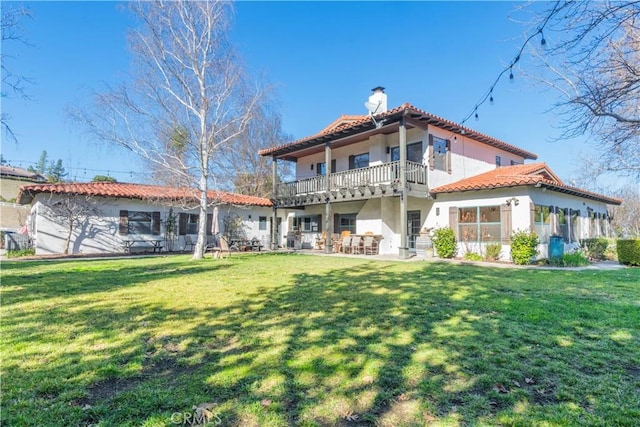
(386,173)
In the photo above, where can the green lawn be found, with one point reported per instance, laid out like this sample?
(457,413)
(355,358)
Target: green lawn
(276,340)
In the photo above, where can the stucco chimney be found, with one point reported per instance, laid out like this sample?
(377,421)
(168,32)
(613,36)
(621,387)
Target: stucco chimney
(379,99)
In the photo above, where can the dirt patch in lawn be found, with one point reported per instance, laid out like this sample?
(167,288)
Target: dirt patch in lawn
(166,369)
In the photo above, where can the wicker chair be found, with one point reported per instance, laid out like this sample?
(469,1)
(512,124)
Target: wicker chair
(356,245)
(321,241)
(370,245)
(345,246)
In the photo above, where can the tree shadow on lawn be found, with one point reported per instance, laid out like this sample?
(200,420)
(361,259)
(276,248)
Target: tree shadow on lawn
(47,280)
(372,344)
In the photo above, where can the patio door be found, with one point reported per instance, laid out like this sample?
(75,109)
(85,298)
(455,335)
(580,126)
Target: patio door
(413,228)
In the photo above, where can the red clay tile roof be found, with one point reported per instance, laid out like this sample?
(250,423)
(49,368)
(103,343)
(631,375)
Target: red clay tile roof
(534,174)
(135,191)
(364,123)
(341,121)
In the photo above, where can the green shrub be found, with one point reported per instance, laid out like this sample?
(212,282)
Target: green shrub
(595,247)
(575,259)
(444,240)
(611,253)
(524,246)
(629,251)
(472,256)
(492,251)
(21,252)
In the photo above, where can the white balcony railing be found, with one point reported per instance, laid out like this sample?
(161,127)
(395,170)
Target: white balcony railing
(386,173)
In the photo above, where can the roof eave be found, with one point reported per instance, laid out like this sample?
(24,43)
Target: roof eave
(559,188)
(392,117)
(583,194)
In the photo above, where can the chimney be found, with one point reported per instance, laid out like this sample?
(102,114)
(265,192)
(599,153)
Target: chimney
(377,100)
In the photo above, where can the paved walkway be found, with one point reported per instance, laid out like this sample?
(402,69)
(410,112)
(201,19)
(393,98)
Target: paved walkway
(602,265)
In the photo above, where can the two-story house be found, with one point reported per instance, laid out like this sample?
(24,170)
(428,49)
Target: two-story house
(395,172)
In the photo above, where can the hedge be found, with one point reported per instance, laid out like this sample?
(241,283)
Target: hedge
(595,247)
(629,251)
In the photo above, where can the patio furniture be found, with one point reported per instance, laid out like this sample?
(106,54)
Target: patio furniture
(256,244)
(356,245)
(336,243)
(188,242)
(320,241)
(218,251)
(370,245)
(154,245)
(345,245)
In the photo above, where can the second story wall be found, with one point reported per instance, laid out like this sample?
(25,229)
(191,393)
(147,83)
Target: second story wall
(466,157)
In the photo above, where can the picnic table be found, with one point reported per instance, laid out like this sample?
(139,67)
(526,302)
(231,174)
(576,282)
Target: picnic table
(156,245)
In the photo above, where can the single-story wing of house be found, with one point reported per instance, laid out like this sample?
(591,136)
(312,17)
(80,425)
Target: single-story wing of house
(397,172)
(107,217)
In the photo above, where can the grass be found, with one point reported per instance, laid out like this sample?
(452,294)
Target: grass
(276,340)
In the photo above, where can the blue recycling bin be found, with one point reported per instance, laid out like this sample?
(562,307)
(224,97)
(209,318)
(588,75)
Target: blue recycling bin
(556,247)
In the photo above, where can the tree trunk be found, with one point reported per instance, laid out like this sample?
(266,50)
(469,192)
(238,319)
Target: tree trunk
(198,252)
(68,241)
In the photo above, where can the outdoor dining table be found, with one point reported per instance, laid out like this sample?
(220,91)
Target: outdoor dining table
(377,237)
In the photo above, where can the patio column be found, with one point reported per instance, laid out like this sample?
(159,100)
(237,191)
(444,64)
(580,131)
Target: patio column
(274,220)
(328,215)
(404,241)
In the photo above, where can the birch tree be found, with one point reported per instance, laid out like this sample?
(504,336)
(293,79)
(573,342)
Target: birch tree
(13,84)
(188,100)
(592,53)
(247,171)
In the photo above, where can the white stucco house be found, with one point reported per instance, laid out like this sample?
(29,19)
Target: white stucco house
(117,213)
(402,170)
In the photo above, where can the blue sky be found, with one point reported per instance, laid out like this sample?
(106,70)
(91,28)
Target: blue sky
(322,57)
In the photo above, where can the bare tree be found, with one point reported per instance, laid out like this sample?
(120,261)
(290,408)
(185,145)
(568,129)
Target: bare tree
(72,210)
(247,171)
(190,99)
(593,59)
(12,84)
(626,217)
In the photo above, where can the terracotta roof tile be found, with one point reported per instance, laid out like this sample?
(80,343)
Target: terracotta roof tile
(335,128)
(341,121)
(135,191)
(534,174)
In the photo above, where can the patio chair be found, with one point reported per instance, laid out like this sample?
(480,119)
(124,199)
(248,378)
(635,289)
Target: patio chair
(188,243)
(320,241)
(336,243)
(219,251)
(356,245)
(345,245)
(370,245)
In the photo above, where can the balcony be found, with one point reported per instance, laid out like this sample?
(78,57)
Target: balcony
(363,183)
